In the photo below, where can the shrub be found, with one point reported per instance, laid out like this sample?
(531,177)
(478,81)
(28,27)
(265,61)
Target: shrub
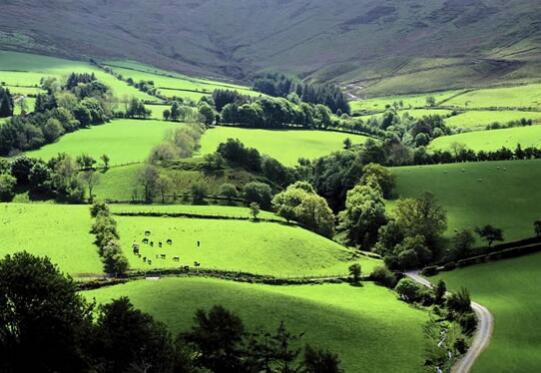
(430,271)
(384,276)
(409,290)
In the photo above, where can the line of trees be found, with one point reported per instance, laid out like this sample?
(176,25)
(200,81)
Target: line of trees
(47,326)
(115,264)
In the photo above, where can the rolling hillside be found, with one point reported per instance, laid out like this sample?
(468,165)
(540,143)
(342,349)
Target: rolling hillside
(437,44)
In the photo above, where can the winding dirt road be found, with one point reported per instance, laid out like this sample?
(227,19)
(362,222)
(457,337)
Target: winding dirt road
(482,335)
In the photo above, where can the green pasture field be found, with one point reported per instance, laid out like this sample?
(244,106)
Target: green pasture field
(175,93)
(205,210)
(118,183)
(504,193)
(60,232)
(30,105)
(491,140)
(27,70)
(509,289)
(524,96)
(25,90)
(124,141)
(409,101)
(245,246)
(479,119)
(366,326)
(287,146)
(415,113)
(157,110)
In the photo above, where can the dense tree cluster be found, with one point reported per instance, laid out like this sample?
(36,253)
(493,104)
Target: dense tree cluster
(47,326)
(279,85)
(136,109)
(6,103)
(79,103)
(301,203)
(62,177)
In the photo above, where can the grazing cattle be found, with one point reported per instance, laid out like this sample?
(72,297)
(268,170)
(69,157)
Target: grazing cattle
(198,243)
(145,241)
(144,259)
(149,262)
(186,268)
(160,245)
(135,247)
(151,243)
(169,241)
(162,256)
(147,233)
(176,259)
(196,264)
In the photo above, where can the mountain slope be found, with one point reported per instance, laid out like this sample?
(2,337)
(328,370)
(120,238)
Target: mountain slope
(358,41)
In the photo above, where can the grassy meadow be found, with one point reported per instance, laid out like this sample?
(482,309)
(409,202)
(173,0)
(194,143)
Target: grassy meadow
(408,101)
(479,119)
(367,326)
(287,146)
(523,96)
(245,246)
(123,140)
(24,69)
(491,140)
(504,194)
(509,289)
(60,232)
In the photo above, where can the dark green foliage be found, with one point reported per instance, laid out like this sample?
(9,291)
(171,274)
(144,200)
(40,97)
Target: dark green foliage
(199,192)
(463,242)
(409,290)
(44,323)
(260,193)
(355,273)
(439,292)
(537,228)
(137,109)
(321,361)
(383,276)
(460,301)
(234,151)
(7,187)
(490,234)
(6,103)
(228,192)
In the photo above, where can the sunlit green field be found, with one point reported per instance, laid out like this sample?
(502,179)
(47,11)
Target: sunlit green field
(504,194)
(480,119)
(366,326)
(525,96)
(509,289)
(408,101)
(414,113)
(492,140)
(286,146)
(60,232)
(24,90)
(157,110)
(28,69)
(124,141)
(245,246)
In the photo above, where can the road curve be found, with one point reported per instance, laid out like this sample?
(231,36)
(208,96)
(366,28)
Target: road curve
(482,335)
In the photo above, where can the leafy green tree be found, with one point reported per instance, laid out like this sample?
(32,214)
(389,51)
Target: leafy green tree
(85,162)
(490,234)
(105,159)
(301,203)
(164,185)
(439,292)
(44,322)
(114,262)
(229,192)
(413,252)
(254,210)
(355,273)
(363,216)
(376,173)
(463,242)
(7,187)
(166,114)
(128,340)
(537,228)
(52,129)
(199,192)
(147,178)
(91,178)
(408,290)
(423,216)
(218,336)
(260,193)
(40,178)
(430,101)
(347,143)
(207,113)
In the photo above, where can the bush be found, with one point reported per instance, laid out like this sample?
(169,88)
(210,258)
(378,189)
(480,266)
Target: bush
(383,276)
(409,290)
(449,266)
(260,193)
(430,271)
(7,187)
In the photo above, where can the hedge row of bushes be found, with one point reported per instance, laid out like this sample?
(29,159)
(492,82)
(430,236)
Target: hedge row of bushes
(503,251)
(194,216)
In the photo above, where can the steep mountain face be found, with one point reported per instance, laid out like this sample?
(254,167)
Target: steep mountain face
(343,40)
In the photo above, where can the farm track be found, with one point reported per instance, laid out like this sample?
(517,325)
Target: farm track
(482,335)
